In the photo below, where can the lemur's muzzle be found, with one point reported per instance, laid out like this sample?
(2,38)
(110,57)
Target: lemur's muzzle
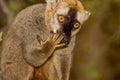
(66,35)
(65,40)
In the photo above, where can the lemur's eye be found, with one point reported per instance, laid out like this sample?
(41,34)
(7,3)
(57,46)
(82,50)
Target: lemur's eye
(61,18)
(76,25)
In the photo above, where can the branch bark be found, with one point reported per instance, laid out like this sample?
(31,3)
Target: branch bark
(6,10)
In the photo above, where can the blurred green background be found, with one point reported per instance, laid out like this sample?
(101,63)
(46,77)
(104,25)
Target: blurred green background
(97,50)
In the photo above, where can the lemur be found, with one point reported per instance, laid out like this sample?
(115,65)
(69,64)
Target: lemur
(40,41)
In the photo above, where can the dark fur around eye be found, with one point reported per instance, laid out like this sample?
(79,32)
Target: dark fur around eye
(69,20)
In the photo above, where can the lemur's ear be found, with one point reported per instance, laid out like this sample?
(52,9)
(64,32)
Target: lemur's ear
(84,16)
(51,4)
(87,14)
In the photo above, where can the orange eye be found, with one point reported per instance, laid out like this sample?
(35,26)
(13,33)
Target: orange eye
(76,25)
(61,18)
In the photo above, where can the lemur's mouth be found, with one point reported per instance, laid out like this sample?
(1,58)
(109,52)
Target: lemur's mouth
(66,40)
(66,37)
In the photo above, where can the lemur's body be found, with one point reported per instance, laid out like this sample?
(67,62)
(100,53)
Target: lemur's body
(21,58)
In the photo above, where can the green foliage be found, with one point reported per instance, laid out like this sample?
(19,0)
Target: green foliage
(3,35)
(15,6)
(95,74)
(33,1)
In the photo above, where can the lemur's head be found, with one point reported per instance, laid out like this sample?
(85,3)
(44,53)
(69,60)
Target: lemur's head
(65,16)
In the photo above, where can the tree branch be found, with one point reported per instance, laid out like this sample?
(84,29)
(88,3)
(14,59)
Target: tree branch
(1,36)
(6,10)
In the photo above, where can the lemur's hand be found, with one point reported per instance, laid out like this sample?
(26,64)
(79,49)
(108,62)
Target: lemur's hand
(51,42)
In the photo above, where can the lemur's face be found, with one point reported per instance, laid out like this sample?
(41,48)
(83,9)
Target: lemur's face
(67,18)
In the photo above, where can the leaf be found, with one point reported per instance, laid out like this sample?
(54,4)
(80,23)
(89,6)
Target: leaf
(96,75)
(3,35)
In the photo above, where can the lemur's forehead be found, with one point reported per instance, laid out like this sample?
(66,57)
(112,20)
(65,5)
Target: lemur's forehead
(65,6)
(71,13)
(62,11)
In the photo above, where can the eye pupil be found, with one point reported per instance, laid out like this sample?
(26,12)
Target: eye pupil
(61,18)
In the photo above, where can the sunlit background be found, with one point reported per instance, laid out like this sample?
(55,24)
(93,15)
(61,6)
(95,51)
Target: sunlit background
(97,50)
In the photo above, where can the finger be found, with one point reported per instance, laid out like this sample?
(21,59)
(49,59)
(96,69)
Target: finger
(38,48)
(41,42)
(59,39)
(60,45)
(50,36)
(56,36)
(39,38)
